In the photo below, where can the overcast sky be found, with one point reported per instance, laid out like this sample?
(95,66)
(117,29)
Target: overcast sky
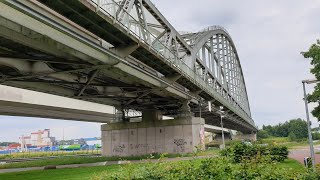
(269,36)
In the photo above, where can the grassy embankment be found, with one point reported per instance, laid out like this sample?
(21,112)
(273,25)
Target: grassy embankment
(46,154)
(92,172)
(286,142)
(82,160)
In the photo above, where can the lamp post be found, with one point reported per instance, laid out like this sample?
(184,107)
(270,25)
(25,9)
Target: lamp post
(222,133)
(304,82)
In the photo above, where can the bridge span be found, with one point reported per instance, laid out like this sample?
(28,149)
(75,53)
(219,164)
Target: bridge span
(127,55)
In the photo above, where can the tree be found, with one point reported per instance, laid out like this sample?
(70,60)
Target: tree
(316,136)
(299,127)
(292,136)
(262,134)
(314,54)
(296,127)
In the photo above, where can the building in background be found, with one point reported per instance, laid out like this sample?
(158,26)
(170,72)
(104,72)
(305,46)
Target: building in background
(39,139)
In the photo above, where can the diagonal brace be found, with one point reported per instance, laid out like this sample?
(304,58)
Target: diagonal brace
(92,75)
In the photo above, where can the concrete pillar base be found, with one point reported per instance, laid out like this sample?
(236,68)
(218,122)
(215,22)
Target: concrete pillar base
(158,136)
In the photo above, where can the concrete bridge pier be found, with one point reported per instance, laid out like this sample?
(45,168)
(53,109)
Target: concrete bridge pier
(153,135)
(246,137)
(227,137)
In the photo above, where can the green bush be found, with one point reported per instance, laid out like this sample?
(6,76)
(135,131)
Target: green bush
(211,168)
(262,134)
(316,136)
(240,151)
(278,153)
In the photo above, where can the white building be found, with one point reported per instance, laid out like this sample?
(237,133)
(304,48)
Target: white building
(40,138)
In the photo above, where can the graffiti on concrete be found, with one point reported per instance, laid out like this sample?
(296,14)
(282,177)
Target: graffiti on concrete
(119,149)
(180,143)
(138,146)
(202,136)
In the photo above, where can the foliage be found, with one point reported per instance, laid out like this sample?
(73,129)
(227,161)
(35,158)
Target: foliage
(214,168)
(292,136)
(83,152)
(210,168)
(63,160)
(278,153)
(299,127)
(241,152)
(262,134)
(314,54)
(296,126)
(31,154)
(57,161)
(315,129)
(316,136)
(84,173)
(274,140)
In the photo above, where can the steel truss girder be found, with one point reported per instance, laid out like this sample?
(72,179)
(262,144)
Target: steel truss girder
(227,74)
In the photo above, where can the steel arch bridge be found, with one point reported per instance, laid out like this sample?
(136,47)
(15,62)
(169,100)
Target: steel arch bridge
(197,72)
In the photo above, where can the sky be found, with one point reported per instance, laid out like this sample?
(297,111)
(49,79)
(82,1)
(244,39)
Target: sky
(269,36)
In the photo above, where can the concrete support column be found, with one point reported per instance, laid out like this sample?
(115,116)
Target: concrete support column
(185,111)
(151,115)
(173,136)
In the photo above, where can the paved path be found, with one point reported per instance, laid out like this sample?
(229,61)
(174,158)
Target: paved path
(107,163)
(299,154)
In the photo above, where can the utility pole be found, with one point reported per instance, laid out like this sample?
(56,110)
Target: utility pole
(304,82)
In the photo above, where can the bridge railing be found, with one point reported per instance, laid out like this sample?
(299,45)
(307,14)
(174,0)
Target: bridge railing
(110,8)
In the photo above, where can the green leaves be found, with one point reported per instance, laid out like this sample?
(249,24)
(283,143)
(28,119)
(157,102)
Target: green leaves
(314,54)
(241,152)
(219,168)
(298,127)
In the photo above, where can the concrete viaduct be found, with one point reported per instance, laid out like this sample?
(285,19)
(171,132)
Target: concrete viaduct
(127,55)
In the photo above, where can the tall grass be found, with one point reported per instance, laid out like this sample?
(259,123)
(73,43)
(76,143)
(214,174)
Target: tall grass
(57,161)
(31,154)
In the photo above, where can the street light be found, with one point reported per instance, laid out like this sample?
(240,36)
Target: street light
(222,116)
(304,82)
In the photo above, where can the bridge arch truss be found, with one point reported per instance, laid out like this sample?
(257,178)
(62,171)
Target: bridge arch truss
(204,65)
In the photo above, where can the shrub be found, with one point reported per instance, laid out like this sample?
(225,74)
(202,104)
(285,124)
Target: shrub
(262,134)
(316,136)
(240,151)
(210,168)
(292,136)
(278,153)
